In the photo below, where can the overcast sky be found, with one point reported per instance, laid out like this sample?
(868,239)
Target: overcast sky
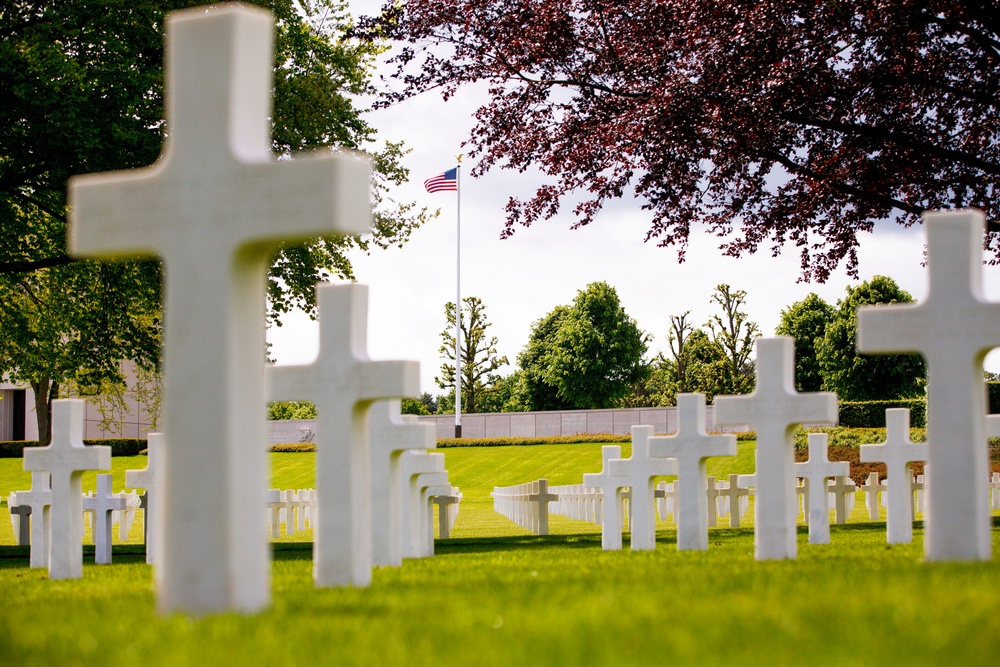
(522,278)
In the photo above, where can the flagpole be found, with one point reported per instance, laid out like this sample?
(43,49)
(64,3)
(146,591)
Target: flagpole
(458,299)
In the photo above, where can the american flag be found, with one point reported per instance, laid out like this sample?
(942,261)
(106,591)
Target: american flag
(447,180)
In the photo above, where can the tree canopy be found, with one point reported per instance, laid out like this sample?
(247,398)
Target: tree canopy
(763,121)
(860,377)
(806,321)
(587,355)
(83,92)
(480,359)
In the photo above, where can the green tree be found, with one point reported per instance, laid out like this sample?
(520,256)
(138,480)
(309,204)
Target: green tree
(734,333)
(533,390)
(413,406)
(762,122)
(707,365)
(291,410)
(587,355)
(858,377)
(680,329)
(480,360)
(83,92)
(806,321)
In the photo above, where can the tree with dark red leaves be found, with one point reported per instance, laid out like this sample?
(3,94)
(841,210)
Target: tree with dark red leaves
(761,121)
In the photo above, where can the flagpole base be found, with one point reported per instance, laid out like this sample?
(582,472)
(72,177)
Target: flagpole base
(458,430)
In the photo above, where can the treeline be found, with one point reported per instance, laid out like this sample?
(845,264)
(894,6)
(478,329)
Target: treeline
(591,354)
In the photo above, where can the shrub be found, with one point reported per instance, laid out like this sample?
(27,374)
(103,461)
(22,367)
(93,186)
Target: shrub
(293,447)
(14,449)
(871,414)
(993,396)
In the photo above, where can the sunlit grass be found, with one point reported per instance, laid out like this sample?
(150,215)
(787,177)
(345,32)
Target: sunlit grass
(498,596)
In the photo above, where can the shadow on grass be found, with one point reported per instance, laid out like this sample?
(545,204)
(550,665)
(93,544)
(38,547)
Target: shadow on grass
(11,555)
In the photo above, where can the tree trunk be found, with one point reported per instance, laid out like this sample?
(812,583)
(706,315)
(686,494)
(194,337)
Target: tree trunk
(45,390)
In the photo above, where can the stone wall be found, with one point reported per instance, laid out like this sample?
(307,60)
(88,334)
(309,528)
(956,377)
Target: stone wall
(521,424)
(568,422)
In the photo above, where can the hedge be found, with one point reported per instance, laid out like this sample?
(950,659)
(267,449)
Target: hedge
(871,414)
(993,395)
(14,449)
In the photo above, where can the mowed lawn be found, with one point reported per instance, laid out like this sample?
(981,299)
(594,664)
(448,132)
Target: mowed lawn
(496,595)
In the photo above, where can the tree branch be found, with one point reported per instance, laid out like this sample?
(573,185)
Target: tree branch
(26,266)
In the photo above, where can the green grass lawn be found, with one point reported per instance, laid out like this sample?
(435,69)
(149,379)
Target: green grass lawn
(498,596)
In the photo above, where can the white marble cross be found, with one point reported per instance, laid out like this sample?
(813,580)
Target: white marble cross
(774,410)
(412,464)
(540,497)
(66,458)
(426,485)
(691,446)
(610,485)
(897,454)
(953,328)
(445,505)
(274,502)
(639,470)
(391,435)
(215,207)
(843,489)
(102,504)
(871,489)
(39,499)
(20,517)
(148,478)
(816,471)
(342,383)
(735,495)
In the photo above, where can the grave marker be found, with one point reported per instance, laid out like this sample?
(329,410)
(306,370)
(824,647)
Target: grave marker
(412,464)
(816,471)
(738,498)
(23,514)
(610,485)
(148,478)
(102,504)
(215,207)
(953,328)
(343,382)
(690,447)
(639,470)
(65,459)
(392,434)
(843,489)
(871,489)
(897,454)
(774,410)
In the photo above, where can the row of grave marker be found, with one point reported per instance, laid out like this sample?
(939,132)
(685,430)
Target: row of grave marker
(684,455)
(530,504)
(408,482)
(217,204)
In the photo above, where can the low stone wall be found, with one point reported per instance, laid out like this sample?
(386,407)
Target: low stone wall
(567,422)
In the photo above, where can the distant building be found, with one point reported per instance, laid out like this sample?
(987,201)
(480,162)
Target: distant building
(124,419)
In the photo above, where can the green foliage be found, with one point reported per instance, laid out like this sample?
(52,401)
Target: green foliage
(993,396)
(412,406)
(280,410)
(83,86)
(583,356)
(857,377)
(293,448)
(480,360)
(871,414)
(734,333)
(14,449)
(805,321)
